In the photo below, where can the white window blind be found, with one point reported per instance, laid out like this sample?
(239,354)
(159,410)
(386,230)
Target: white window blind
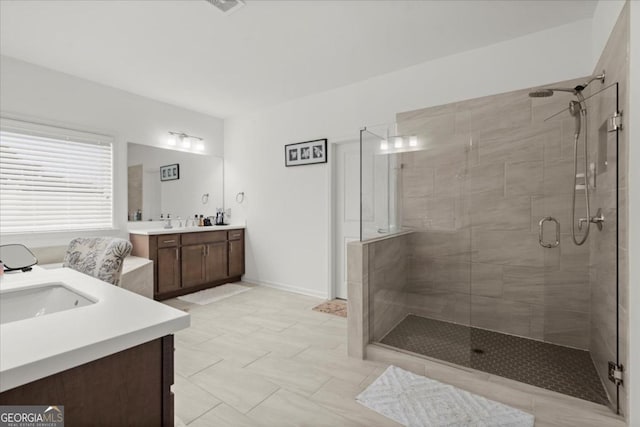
(50,182)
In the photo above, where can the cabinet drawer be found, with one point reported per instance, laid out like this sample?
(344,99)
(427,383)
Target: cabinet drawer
(204,237)
(236,234)
(168,240)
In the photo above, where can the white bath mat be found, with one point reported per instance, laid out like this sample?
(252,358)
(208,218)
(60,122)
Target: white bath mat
(413,400)
(214,294)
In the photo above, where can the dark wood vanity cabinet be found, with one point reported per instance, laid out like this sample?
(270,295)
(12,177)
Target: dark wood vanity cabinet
(236,253)
(168,269)
(187,262)
(128,388)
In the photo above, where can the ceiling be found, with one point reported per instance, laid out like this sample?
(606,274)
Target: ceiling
(188,53)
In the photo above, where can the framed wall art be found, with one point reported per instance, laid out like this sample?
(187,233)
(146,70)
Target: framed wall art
(305,153)
(170,172)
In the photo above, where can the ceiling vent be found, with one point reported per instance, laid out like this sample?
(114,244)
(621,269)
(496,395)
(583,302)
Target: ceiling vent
(227,6)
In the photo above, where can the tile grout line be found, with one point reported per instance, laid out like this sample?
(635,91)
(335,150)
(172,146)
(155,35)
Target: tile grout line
(266,397)
(204,413)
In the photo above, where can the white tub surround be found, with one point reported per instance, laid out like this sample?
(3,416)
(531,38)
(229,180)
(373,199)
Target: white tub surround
(37,347)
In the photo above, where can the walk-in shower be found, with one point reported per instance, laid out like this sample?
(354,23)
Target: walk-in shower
(461,264)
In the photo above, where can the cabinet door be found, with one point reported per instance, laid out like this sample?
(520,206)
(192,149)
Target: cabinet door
(168,269)
(193,265)
(216,261)
(236,258)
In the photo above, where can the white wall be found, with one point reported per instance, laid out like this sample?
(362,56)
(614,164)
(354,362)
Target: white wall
(286,209)
(634,213)
(199,174)
(605,17)
(42,95)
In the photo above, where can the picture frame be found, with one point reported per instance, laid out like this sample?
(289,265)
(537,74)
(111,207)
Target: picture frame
(305,153)
(170,172)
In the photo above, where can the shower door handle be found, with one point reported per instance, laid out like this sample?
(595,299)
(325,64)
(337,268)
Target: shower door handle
(540,232)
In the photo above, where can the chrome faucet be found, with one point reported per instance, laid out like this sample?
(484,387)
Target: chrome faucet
(167,223)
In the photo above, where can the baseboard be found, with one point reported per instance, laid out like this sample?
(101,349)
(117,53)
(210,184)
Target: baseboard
(288,288)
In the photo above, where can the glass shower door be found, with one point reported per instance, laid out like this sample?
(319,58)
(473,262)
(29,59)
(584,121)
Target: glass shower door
(579,299)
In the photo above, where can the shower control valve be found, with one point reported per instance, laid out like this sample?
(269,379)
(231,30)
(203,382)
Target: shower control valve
(598,220)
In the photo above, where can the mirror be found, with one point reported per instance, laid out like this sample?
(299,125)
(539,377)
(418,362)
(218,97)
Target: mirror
(184,189)
(17,257)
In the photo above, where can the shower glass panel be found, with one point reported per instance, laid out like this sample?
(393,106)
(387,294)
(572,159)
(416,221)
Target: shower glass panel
(378,187)
(480,268)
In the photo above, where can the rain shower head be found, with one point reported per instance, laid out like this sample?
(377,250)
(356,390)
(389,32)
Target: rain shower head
(548,91)
(540,93)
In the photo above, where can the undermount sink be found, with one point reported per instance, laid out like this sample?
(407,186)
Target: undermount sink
(39,301)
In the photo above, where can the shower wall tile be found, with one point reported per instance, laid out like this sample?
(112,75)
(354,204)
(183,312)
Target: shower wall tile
(574,258)
(524,284)
(417,181)
(414,208)
(450,180)
(499,314)
(388,275)
(444,213)
(515,248)
(440,305)
(509,110)
(485,177)
(537,322)
(520,145)
(462,122)
(486,280)
(567,291)
(558,176)
(566,327)
(504,213)
(523,178)
(442,275)
(453,245)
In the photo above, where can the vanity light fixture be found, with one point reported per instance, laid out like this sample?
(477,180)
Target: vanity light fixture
(413,141)
(185,140)
(384,144)
(398,142)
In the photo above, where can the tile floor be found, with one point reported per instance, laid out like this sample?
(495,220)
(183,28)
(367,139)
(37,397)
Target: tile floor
(265,358)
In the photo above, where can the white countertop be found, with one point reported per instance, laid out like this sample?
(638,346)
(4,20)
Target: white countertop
(34,348)
(161,230)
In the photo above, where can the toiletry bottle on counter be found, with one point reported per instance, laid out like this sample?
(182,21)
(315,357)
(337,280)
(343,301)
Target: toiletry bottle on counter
(201,221)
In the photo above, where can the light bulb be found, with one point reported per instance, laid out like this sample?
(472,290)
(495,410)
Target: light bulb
(384,145)
(200,146)
(398,142)
(172,139)
(186,141)
(413,141)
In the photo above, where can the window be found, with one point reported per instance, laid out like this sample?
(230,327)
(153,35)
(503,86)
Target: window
(54,179)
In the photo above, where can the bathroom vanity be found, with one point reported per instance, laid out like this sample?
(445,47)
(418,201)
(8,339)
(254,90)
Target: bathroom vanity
(104,353)
(192,258)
